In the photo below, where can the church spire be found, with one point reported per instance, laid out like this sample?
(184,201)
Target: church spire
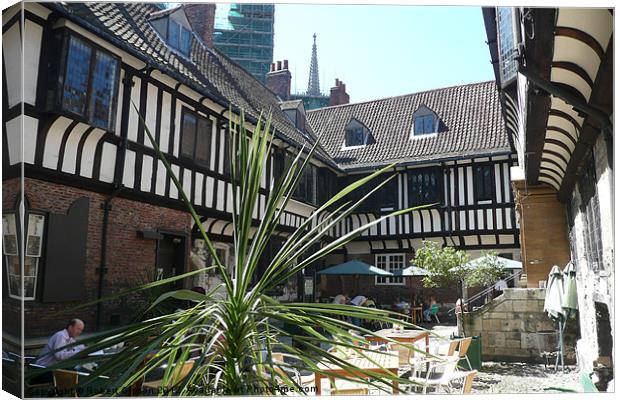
(313,80)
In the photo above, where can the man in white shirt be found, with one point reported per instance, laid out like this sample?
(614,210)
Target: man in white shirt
(49,356)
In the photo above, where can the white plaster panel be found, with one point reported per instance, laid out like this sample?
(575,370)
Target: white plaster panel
(487,239)
(12,51)
(498,217)
(596,22)
(164,132)
(151,113)
(561,137)
(14,139)
(490,222)
(470,240)
(506,239)
(71,148)
(479,219)
(470,186)
(220,197)
(563,123)
(508,219)
(463,220)
(108,162)
(134,121)
(160,180)
(557,149)
(10,12)
(472,219)
(198,189)
(561,105)
(209,192)
(53,140)
(32,49)
(461,186)
(577,52)
(174,191)
(550,181)
(187,183)
(570,78)
(147,173)
(436,221)
(88,155)
(130,169)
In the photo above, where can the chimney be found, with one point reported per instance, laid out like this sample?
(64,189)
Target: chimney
(201,17)
(279,79)
(338,94)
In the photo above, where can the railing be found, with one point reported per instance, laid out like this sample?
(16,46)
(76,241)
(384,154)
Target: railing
(482,294)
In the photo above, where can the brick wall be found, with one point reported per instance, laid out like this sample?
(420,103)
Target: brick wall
(278,80)
(202,19)
(130,259)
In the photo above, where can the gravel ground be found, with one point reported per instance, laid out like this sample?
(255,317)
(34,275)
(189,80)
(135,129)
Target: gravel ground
(511,378)
(507,378)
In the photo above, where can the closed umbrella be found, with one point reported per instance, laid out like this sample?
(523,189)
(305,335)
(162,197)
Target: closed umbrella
(570,302)
(554,298)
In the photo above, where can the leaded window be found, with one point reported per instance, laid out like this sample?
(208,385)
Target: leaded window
(593,246)
(507,43)
(425,186)
(484,182)
(196,132)
(22,281)
(179,37)
(390,263)
(87,83)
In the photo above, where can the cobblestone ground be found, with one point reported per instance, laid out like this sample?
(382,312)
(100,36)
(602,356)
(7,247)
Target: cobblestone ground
(511,378)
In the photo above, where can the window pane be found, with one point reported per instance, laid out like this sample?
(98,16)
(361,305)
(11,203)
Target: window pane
(76,77)
(173,34)
(35,235)
(9,234)
(102,90)
(188,135)
(203,140)
(186,41)
(428,124)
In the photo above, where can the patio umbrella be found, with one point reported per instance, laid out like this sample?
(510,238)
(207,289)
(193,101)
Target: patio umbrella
(411,271)
(506,263)
(570,303)
(554,298)
(354,267)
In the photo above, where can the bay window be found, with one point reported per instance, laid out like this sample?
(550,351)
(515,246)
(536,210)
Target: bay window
(390,263)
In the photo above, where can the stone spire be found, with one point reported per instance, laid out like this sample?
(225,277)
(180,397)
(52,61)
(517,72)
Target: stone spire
(313,80)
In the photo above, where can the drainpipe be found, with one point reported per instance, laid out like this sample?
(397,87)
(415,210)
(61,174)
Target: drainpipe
(103,269)
(118,186)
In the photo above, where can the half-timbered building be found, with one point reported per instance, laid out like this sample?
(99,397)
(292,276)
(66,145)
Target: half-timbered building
(554,71)
(91,207)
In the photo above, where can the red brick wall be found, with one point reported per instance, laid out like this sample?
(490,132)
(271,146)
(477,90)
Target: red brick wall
(130,259)
(202,18)
(278,80)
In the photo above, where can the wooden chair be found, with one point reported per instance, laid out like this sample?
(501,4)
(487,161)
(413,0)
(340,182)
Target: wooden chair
(178,376)
(463,347)
(343,387)
(66,382)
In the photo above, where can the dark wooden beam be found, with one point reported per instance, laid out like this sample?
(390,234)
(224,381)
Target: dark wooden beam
(602,100)
(538,55)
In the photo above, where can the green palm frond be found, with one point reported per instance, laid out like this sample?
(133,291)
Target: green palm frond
(231,340)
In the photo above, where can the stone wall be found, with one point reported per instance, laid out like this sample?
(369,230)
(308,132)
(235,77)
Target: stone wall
(507,327)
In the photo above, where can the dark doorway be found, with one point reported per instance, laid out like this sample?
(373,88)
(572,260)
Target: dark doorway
(170,258)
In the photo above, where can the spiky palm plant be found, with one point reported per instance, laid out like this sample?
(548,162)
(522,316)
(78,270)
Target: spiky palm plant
(231,341)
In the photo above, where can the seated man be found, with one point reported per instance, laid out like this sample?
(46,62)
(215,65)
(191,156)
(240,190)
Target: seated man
(49,357)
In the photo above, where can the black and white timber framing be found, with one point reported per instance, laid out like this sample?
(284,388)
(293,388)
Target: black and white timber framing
(57,148)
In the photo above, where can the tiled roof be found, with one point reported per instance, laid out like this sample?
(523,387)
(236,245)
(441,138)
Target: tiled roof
(471,115)
(207,71)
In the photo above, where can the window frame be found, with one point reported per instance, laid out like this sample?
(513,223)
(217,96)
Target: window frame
(58,86)
(390,280)
(515,36)
(481,197)
(197,116)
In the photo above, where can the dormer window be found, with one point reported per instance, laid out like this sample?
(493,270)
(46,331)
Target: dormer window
(356,135)
(174,28)
(425,122)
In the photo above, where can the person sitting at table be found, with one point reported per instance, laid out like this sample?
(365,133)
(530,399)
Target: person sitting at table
(49,356)
(401,306)
(340,299)
(359,301)
(427,311)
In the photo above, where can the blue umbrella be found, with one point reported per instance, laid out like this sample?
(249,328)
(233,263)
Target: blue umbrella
(354,267)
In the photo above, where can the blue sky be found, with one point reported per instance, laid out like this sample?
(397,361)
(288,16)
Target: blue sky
(380,50)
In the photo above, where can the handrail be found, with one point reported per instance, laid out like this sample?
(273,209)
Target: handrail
(486,291)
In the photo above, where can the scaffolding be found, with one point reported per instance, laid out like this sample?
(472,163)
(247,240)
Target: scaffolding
(244,32)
